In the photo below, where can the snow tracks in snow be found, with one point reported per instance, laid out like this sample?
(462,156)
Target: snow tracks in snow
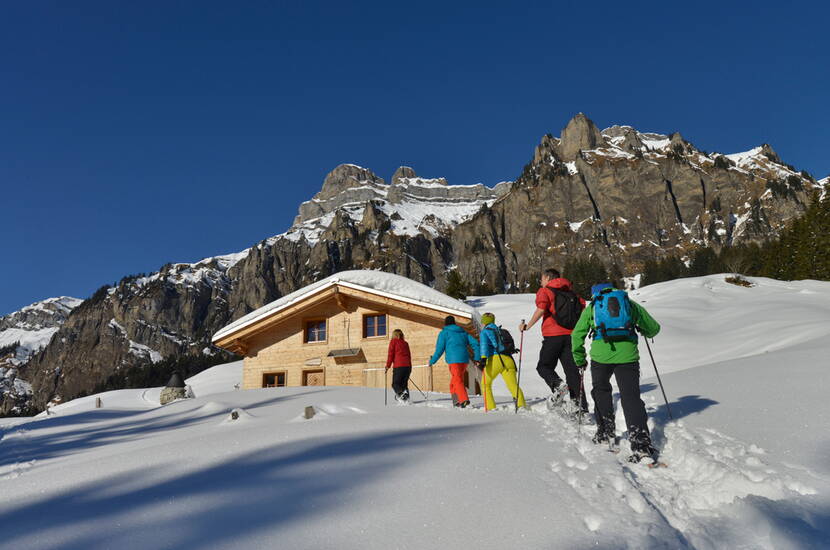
(682,506)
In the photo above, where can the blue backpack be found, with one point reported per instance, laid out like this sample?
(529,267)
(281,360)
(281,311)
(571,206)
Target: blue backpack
(613,316)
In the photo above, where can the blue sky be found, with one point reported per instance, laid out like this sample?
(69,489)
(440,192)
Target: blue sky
(135,134)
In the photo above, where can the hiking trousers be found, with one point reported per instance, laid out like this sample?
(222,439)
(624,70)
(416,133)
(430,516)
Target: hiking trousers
(457,387)
(555,349)
(628,381)
(504,365)
(400,380)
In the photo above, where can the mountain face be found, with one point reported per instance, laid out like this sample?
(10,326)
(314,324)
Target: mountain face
(618,194)
(23,333)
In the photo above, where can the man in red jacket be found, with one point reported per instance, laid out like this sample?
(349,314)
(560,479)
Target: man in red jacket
(556,344)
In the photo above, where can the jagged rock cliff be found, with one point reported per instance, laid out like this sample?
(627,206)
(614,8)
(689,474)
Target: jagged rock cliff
(22,334)
(625,196)
(616,194)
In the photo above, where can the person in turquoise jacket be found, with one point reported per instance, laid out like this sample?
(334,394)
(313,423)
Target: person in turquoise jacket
(454,341)
(494,362)
(621,359)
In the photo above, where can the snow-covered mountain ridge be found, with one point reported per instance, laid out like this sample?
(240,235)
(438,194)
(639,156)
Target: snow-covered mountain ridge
(412,204)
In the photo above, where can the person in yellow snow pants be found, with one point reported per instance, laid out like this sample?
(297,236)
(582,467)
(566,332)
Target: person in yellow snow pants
(495,362)
(504,365)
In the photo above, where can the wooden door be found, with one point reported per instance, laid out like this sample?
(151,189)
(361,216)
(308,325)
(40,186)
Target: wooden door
(313,378)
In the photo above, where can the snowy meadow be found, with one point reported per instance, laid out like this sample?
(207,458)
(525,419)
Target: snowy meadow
(745,371)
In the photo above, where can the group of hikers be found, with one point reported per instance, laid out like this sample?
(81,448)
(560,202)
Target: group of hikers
(610,318)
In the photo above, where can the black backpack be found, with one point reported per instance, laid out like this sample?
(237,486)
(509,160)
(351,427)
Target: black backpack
(504,337)
(566,307)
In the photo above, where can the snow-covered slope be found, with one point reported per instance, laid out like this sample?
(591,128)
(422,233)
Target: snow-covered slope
(746,453)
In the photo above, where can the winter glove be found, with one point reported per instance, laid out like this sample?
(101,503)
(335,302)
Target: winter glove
(481,363)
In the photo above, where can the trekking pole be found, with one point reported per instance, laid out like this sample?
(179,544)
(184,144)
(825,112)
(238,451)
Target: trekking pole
(519,368)
(581,397)
(411,381)
(658,379)
(385,387)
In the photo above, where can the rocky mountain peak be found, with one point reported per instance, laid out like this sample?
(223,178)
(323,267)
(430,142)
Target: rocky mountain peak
(581,133)
(679,144)
(346,176)
(44,314)
(767,151)
(403,172)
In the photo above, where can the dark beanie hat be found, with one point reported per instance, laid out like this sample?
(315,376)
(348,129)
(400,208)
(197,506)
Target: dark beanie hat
(449,320)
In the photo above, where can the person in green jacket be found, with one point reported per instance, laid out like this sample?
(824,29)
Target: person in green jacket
(614,351)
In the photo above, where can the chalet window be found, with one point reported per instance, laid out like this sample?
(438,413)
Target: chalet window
(273,380)
(374,325)
(315,331)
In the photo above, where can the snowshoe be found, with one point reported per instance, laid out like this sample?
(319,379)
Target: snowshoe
(601,438)
(651,457)
(402,398)
(555,400)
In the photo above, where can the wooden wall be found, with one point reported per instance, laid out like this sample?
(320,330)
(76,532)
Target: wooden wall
(281,348)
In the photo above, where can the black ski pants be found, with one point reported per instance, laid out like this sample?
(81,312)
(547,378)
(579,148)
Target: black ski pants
(556,349)
(400,380)
(628,381)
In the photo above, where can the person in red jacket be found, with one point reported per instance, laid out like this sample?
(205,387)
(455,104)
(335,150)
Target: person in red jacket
(556,340)
(400,357)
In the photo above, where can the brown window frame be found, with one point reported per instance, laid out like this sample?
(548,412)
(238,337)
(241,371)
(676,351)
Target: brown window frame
(276,374)
(385,324)
(307,322)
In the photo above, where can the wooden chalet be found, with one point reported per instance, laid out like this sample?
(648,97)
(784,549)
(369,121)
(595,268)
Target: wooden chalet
(336,332)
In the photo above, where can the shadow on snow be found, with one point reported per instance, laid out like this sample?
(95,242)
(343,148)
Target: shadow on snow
(99,431)
(271,488)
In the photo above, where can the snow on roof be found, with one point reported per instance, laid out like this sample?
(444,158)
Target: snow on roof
(376,282)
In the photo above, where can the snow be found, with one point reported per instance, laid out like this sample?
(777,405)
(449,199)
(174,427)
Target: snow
(655,142)
(63,303)
(34,336)
(744,370)
(575,226)
(417,211)
(754,160)
(31,341)
(745,157)
(144,351)
(374,281)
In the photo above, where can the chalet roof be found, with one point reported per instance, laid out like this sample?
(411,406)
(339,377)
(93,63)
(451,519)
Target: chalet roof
(375,282)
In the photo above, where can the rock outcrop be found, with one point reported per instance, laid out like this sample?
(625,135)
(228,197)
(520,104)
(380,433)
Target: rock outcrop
(22,334)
